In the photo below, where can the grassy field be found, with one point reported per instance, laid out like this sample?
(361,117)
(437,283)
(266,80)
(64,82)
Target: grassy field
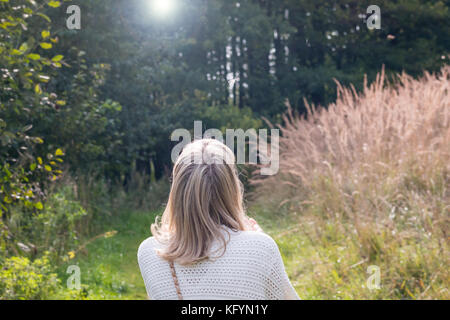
(108,265)
(328,268)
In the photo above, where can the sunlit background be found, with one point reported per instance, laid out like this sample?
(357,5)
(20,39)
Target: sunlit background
(162,8)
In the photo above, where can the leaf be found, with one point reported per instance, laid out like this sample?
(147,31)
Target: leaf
(60,102)
(39,159)
(57,58)
(34,56)
(8,173)
(46,45)
(59,152)
(48,168)
(45,34)
(44,16)
(33,166)
(39,206)
(110,234)
(54,4)
(39,141)
(38,89)
(44,78)
(23,47)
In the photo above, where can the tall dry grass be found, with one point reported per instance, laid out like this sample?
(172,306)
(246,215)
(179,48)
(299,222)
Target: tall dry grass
(383,124)
(373,170)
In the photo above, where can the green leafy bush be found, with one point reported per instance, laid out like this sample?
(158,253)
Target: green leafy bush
(55,228)
(21,278)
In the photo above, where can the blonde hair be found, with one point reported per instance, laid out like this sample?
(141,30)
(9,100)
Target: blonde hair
(206,195)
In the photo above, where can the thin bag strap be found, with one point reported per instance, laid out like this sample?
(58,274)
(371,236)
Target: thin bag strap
(175,280)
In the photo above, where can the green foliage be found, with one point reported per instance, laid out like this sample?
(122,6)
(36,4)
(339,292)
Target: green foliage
(54,228)
(40,116)
(226,117)
(85,125)
(26,66)
(27,162)
(22,279)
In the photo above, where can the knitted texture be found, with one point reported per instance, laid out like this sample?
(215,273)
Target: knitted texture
(251,268)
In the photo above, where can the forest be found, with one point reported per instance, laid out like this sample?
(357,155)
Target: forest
(91,91)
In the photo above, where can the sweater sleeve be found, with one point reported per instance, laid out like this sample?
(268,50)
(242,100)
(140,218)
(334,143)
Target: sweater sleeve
(281,287)
(144,259)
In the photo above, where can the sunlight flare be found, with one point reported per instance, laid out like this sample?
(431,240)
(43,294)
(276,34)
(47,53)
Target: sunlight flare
(162,8)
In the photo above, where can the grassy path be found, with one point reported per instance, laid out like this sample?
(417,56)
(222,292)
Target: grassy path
(109,268)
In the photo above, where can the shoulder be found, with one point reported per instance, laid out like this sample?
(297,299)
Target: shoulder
(147,248)
(257,239)
(257,236)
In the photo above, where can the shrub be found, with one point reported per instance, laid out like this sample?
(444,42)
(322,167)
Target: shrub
(23,279)
(55,228)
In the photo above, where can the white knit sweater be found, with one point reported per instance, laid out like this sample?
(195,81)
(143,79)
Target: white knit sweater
(251,268)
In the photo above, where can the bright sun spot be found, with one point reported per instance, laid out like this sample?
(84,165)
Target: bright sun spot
(162,7)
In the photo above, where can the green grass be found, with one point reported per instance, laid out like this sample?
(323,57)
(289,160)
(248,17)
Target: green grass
(108,265)
(331,265)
